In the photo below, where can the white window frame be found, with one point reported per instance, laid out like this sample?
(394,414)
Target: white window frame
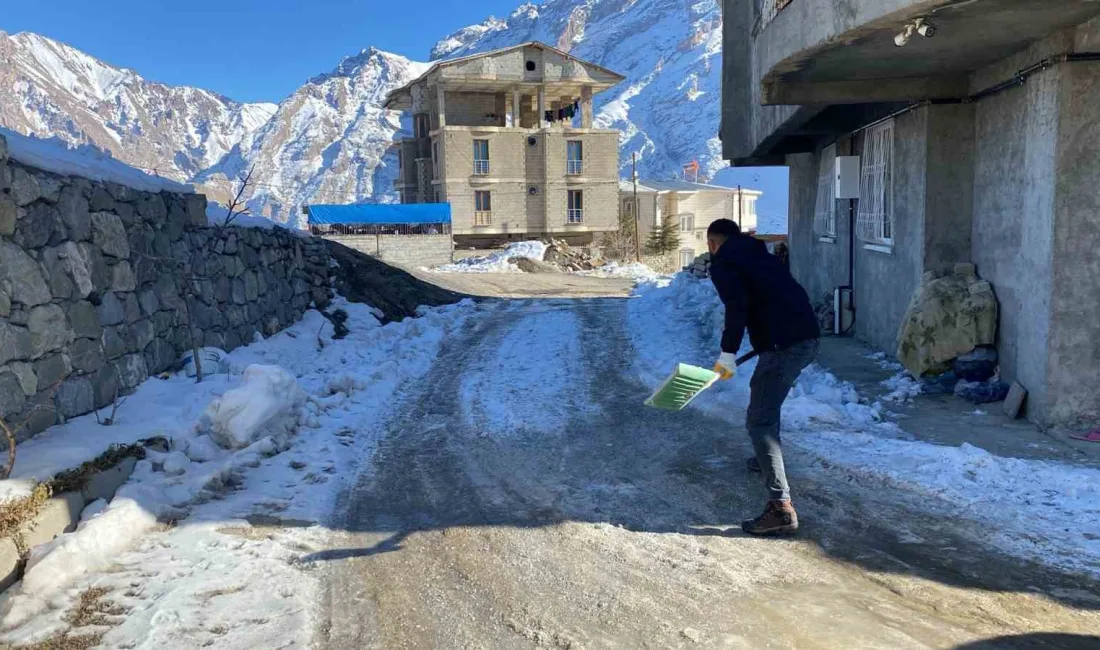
(687,222)
(825,206)
(481,165)
(875,220)
(575,215)
(628,208)
(483,218)
(574,166)
(687,257)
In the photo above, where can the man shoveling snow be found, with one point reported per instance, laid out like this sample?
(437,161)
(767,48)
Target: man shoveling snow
(761,295)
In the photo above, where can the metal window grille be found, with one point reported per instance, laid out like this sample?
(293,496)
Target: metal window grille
(481,157)
(574,157)
(875,221)
(825,209)
(483,209)
(687,222)
(576,206)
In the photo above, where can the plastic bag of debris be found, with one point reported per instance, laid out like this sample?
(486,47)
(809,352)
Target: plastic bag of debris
(214,361)
(982,392)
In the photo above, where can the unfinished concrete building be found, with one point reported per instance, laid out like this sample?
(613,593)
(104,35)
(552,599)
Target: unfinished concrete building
(508,139)
(974,123)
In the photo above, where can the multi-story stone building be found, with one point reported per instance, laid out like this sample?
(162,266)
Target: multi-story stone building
(507,138)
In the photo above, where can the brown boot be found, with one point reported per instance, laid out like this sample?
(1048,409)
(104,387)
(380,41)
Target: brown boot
(779,518)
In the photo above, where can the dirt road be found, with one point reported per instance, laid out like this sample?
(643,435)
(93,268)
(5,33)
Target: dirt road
(525,499)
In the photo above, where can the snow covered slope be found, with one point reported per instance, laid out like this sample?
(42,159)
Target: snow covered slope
(670,51)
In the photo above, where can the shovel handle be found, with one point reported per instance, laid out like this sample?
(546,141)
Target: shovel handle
(747,358)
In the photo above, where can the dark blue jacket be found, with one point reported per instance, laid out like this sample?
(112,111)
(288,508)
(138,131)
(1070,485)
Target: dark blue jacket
(760,294)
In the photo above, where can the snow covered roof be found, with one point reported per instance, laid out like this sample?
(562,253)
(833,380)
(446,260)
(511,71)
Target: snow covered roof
(395,95)
(86,161)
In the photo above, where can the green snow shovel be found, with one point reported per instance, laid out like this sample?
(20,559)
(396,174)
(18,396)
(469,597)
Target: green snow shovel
(685,384)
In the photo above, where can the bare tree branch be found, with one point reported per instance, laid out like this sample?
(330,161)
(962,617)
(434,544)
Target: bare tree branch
(235,207)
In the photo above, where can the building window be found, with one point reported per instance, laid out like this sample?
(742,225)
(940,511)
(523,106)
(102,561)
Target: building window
(421,126)
(825,207)
(875,223)
(576,206)
(481,157)
(483,209)
(628,208)
(687,257)
(574,157)
(687,222)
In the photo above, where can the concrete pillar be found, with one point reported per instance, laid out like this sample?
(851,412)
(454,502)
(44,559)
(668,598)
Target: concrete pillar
(517,108)
(542,107)
(587,117)
(442,105)
(501,109)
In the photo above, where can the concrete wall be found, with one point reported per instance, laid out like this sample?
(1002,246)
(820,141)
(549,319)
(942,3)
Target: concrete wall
(819,266)
(410,250)
(1074,344)
(99,284)
(516,166)
(475,109)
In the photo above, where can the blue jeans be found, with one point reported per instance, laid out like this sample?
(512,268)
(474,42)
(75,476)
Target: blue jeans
(775,374)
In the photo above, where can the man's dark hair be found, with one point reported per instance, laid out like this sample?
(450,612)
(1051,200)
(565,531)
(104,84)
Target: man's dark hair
(723,228)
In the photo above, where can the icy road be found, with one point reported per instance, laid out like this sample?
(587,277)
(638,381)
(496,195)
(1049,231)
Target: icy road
(522,497)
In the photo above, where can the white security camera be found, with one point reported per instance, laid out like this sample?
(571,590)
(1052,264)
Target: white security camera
(926,29)
(902,39)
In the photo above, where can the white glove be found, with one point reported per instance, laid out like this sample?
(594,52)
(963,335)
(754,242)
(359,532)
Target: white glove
(726,366)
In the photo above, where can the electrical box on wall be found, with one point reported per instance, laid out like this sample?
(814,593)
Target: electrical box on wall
(847,177)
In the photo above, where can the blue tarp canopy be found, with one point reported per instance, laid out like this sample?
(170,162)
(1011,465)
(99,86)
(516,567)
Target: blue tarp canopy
(381,214)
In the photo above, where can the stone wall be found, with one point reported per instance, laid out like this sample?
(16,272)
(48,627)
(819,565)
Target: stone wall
(100,282)
(407,250)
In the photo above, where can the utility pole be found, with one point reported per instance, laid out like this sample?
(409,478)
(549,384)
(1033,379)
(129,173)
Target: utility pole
(740,205)
(637,211)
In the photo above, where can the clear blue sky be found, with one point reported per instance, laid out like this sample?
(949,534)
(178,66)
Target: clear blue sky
(249,50)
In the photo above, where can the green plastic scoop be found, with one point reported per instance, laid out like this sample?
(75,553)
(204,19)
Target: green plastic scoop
(685,384)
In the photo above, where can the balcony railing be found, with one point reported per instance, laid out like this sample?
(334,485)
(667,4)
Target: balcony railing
(576,216)
(481,167)
(574,167)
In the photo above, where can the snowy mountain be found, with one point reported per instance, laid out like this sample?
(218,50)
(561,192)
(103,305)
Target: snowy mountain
(329,141)
(669,50)
(60,91)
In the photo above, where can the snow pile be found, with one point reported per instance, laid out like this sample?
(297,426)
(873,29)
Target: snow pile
(334,393)
(633,271)
(268,402)
(87,161)
(884,362)
(903,388)
(826,422)
(499,262)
